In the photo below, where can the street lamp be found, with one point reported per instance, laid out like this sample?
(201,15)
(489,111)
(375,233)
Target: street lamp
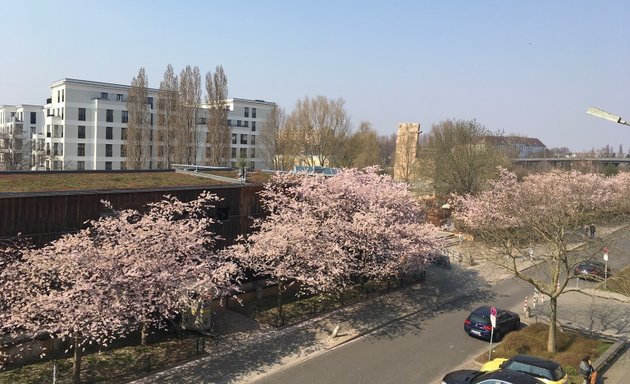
(606,116)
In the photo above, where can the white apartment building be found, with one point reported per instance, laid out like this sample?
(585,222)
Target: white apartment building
(17,124)
(85,127)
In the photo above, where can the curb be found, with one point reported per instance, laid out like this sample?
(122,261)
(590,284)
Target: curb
(604,361)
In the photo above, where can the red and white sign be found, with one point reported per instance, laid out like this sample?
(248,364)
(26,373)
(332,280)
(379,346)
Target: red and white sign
(493,317)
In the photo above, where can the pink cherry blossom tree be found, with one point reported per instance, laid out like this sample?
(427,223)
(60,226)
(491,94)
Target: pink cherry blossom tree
(129,270)
(549,210)
(321,232)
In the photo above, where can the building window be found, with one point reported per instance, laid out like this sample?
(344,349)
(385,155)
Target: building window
(253,126)
(109,150)
(81,149)
(233,152)
(246,123)
(123,133)
(252,152)
(123,165)
(33,117)
(109,133)
(63,91)
(229,122)
(124,117)
(109,117)
(123,150)
(58,96)
(150,114)
(81,114)
(108,165)
(33,130)
(119,97)
(238,123)
(243,139)
(234,138)
(246,111)
(253,140)
(150,101)
(81,132)
(104,95)
(252,165)
(80,165)
(243,153)
(253,113)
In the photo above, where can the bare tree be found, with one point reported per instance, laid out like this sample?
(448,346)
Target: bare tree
(138,135)
(168,100)
(279,142)
(455,158)
(218,138)
(15,150)
(324,125)
(362,148)
(387,146)
(190,100)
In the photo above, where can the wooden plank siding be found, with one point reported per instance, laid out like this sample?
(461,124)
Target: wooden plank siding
(46,216)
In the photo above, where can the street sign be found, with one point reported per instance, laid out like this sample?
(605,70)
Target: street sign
(605,253)
(493,317)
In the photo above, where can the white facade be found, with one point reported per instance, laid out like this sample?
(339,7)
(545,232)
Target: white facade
(85,127)
(17,124)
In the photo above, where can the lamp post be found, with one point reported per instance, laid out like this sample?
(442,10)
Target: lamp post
(606,116)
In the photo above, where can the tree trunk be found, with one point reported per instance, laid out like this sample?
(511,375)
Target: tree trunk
(280,320)
(76,366)
(551,341)
(144,334)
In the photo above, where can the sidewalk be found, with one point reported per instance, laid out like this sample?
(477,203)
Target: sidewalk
(249,351)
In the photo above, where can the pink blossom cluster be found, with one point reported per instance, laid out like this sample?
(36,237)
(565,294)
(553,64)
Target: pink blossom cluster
(323,231)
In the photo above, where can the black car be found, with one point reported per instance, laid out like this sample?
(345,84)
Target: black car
(497,377)
(547,370)
(478,323)
(591,269)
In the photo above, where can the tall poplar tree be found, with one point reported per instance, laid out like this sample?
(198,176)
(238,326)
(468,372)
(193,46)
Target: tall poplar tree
(188,130)
(138,126)
(219,134)
(168,100)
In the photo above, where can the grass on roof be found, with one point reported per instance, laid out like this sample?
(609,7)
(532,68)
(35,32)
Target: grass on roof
(86,181)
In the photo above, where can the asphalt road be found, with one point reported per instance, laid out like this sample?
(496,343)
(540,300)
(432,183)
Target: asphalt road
(422,348)
(419,349)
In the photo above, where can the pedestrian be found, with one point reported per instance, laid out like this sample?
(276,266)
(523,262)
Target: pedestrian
(587,371)
(592,228)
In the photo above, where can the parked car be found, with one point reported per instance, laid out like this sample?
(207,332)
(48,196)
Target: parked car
(548,371)
(478,323)
(496,377)
(591,269)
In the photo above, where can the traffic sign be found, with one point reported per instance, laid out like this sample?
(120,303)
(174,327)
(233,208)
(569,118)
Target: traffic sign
(493,317)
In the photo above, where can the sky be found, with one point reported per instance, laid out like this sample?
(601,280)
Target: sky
(520,67)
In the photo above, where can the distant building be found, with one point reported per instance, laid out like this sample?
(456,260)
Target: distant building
(516,146)
(17,124)
(406,150)
(83,126)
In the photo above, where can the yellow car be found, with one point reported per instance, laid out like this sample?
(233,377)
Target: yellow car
(547,371)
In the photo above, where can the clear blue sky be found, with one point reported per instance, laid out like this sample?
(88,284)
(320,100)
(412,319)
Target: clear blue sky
(523,67)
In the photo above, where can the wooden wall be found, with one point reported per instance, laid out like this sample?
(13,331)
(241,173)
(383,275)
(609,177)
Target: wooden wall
(46,216)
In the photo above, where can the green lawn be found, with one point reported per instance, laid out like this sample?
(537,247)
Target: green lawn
(117,180)
(618,283)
